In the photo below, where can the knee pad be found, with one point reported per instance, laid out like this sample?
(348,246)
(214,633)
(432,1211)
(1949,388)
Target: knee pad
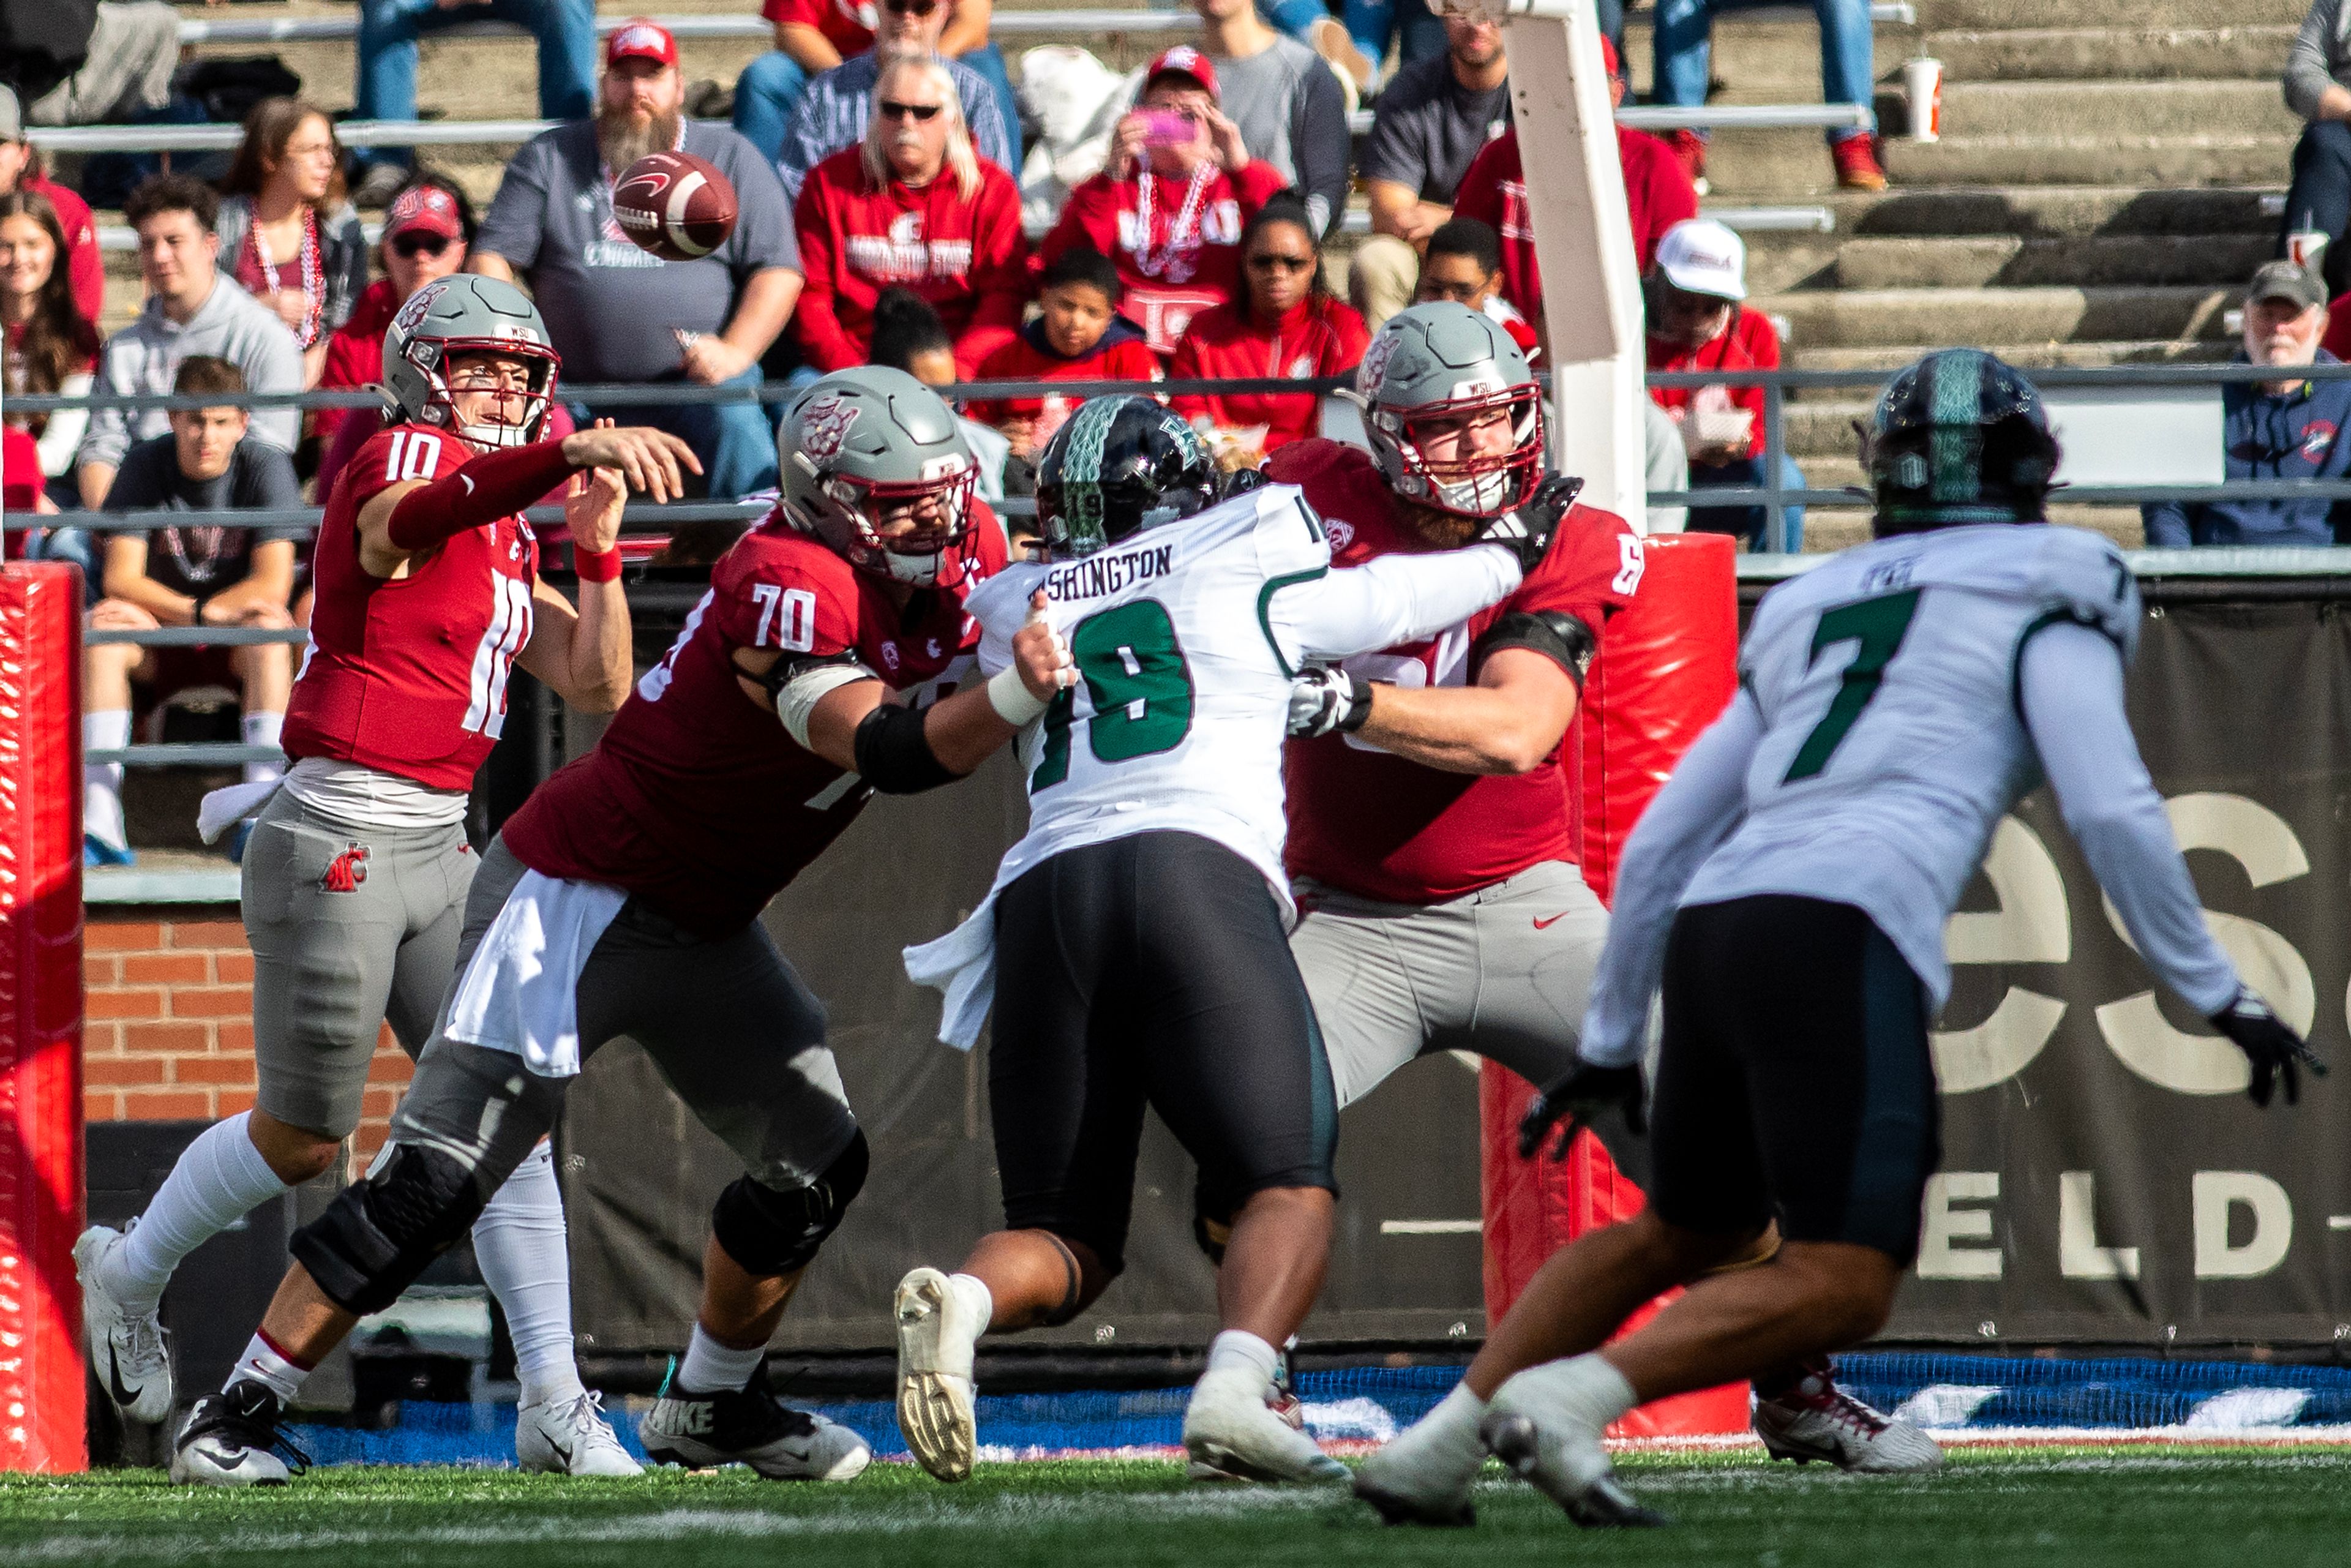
(380,1233)
(770,1232)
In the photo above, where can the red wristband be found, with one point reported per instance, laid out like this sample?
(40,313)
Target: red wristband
(596,565)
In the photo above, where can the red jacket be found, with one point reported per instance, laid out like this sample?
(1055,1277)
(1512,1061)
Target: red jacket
(355,357)
(1114,359)
(1102,214)
(1749,343)
(967,258)
(85,268)
(1320,338)
(1657,195)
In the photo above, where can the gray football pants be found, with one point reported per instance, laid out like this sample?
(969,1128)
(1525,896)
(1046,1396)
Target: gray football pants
(1503,972)
(726,1023)
(340,949)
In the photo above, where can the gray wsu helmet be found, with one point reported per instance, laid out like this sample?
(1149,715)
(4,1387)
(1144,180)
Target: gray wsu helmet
(859,441)
(465,314)
(1444,361)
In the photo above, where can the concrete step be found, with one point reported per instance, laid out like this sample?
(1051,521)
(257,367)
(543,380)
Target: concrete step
(2001,15)
(2142,53)
(2111,159)
(1827,531)
(2218,109)
(1765,54)
(2046,211)
(1858,318)
(1887,358)
(1985,262)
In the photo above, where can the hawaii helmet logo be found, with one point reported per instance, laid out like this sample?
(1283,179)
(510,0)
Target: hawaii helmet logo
(419,305)
(825,424)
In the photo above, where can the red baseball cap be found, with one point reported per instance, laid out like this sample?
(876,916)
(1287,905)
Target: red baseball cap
(427,209)
(1184,60)
(639,39)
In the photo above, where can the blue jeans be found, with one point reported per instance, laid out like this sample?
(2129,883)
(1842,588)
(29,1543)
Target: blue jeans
(1683,28)
(2319,199)
(735,440)
(1747,522)
(565,30)
(769,88)
(1374,22)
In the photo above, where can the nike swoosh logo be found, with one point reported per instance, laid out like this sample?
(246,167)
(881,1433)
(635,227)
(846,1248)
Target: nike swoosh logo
(126,1397)
(560,1452)
(1542,925)
(468,480)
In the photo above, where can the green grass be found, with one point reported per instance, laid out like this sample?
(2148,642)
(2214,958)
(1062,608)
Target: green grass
(2077,1506)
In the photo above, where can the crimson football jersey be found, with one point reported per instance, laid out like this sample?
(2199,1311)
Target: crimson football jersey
(1376,825)
(697,800)
(409,674)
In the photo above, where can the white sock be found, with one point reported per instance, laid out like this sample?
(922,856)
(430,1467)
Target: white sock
(265,1363)
(1452,1427)
(713,1368)
(1588,1387)
(1238,1348)
(519,1242)
(106,729)
(263,728)
(219,1179)
(978,1300)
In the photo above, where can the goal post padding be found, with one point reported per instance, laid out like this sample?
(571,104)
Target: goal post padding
(41,1373)
(1666,667)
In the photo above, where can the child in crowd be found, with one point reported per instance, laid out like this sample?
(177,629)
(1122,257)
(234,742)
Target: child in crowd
(1463,264)
(1079,336)
(910,335)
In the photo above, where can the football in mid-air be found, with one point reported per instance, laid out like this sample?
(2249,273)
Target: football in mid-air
(675,204)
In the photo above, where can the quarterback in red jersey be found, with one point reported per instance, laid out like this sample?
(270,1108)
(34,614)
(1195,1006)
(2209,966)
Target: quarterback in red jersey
(623,897)
(355,873)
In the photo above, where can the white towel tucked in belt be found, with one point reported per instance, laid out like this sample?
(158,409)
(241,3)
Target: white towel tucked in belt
(220,808)
(520,992)
(961,964)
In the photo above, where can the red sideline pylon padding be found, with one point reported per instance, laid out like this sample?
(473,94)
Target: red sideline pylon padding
(40,1017)
(1666,668)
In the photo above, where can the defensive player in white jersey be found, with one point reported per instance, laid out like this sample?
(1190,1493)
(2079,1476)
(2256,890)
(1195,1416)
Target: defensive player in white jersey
(1138,928)
(1789,886)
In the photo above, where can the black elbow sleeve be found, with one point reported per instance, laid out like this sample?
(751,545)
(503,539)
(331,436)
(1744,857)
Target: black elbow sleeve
(893,754)
(1564,639)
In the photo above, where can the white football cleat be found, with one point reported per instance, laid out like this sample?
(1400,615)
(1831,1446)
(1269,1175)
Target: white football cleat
(934,1380)
(1815,1419)
(1538,1428)
(571,1438)
(127,1350)
(750,1426)
(1422,1477)
(1229,1429)
(232,1439)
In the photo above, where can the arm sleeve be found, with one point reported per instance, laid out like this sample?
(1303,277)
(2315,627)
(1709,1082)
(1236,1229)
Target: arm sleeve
(1394,599)
(2167,524)
(1320,144)
(2070,687)
(2307,72)
(1689,818)
(823,340)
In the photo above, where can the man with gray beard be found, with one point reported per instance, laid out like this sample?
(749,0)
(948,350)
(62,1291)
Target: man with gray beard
(616,312)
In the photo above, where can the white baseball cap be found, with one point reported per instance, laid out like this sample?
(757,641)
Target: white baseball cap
(1699,256)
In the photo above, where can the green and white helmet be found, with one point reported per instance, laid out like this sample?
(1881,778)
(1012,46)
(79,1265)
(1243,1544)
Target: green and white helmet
(1118,465)
(1444,362)
(466,314)
(867,442)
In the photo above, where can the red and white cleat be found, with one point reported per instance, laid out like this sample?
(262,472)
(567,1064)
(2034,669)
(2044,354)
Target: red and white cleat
(1812,1418)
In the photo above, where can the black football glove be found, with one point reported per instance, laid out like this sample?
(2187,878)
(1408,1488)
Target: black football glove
(1325,700)
(1574,1098)
(1527,532)
(2272,1046)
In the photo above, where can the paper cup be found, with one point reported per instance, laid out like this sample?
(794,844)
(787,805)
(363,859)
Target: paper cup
(1922,79)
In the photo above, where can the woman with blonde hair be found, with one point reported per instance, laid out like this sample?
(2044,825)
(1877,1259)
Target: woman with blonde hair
(288,234)
(912,207)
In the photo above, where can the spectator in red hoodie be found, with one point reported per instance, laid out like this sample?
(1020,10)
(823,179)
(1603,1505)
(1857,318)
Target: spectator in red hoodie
(1285,323)
(1699,322)
(1169,204)
(1657,193)
(914,207)
(21,170)
(1078,335)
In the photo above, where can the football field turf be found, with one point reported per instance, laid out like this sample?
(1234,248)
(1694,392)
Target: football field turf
(2078,1507)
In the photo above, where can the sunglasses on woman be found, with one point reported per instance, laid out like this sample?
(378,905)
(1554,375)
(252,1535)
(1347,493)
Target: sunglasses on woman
(1271,261)
(911,7)
(410,247)
(924,112)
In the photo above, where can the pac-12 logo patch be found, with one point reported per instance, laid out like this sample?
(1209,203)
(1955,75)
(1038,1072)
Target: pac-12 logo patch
(1342,532)
(825,424)
(346,871)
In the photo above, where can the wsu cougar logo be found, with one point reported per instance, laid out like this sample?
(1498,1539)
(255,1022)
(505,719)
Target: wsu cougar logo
(419,305)
(825,425)
(346,871)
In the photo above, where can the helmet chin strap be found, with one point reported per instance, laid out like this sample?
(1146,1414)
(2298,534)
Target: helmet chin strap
(920,570)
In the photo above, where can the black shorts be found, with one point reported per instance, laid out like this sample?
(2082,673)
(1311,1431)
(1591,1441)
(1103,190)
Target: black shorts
(1794,1077)
(1150,970)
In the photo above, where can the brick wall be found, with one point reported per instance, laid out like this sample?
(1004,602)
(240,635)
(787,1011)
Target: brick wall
(167,1001)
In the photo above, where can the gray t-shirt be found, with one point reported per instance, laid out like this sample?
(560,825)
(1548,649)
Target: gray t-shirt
(1292,115)
(1427,127)
(611,307)
(196,561)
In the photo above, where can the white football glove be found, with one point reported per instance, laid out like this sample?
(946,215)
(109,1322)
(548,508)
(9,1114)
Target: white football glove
(1325,700)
